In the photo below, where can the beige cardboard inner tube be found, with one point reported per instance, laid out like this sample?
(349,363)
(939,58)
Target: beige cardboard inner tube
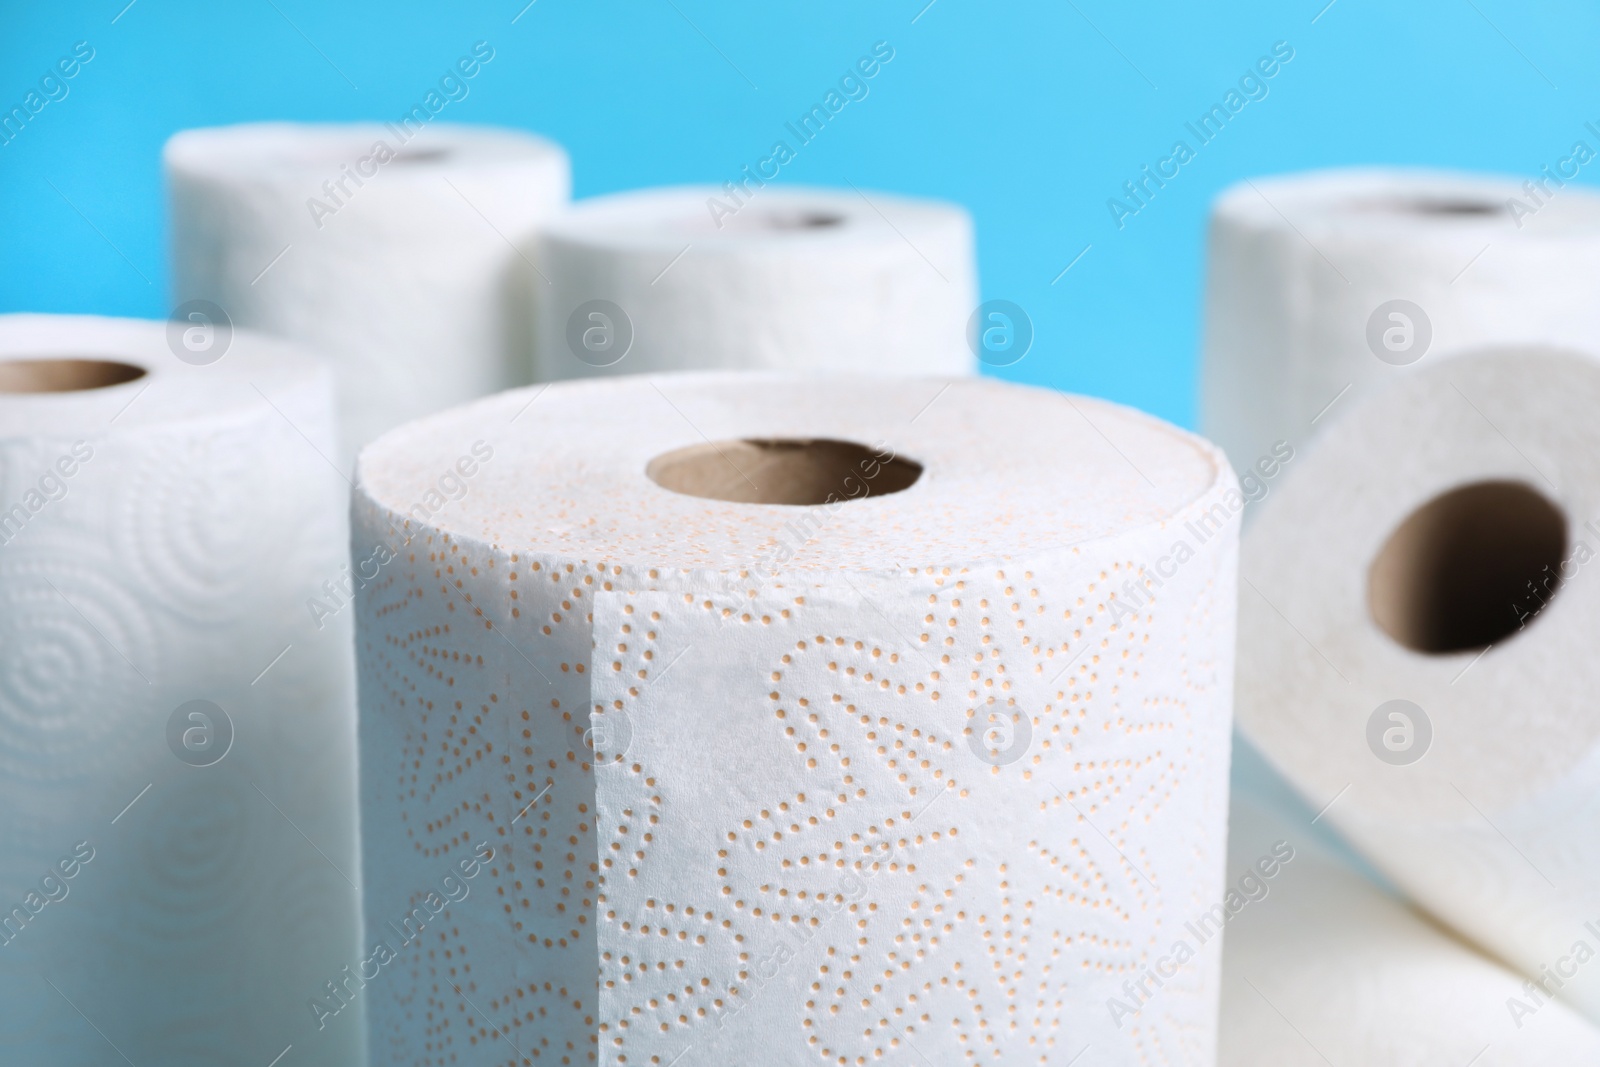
(64,375)
(797,471)
(1467,568)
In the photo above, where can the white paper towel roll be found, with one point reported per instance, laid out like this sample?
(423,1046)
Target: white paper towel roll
(400,253)
(1395,663)
(1328,285)
(177,738)
(937,767)
(796,279)
(1319,966)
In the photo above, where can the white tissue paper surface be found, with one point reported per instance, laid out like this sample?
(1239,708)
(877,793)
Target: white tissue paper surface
(1468,776)
(1326,286)
(177,730)
(401,253)
(796,279)
(930,770)
(1321,966)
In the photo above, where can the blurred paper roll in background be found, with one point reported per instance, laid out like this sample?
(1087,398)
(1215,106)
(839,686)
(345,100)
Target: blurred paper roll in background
(1321,966)
(399,251)
(1415,641)
(176,732)
(1324,286)
(802,717)
(775,279)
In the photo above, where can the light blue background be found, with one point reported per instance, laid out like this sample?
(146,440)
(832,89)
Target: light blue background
(1030,113)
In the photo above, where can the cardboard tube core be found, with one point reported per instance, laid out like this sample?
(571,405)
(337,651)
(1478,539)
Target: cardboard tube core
(1468,568)
(796,471)
(64,375)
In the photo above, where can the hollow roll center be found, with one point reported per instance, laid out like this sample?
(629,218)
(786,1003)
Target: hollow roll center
(64,375)
(801,220)
(799,471)
(1443,206)
(421,155)
(1468,568)
(757,220)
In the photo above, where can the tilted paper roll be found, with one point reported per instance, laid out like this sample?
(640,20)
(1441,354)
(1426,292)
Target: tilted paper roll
(177,732)
(939,764)
(1320,966)
(1415,631)
(1326,286)
(400,252)
(794,279)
